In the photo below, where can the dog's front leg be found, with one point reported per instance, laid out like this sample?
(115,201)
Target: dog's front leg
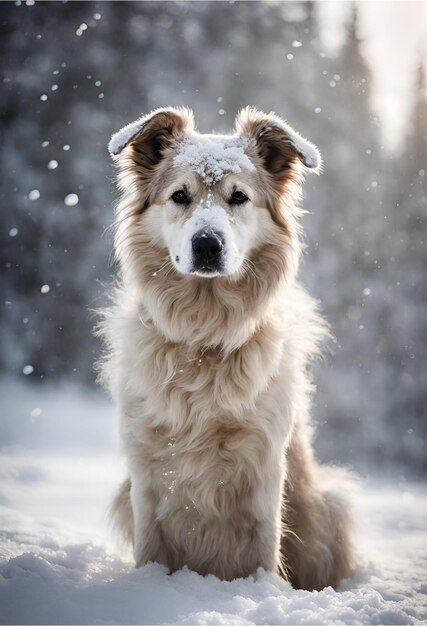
(267,510)
(267,545)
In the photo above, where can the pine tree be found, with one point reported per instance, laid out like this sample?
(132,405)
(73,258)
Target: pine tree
(406,312)
(345,233)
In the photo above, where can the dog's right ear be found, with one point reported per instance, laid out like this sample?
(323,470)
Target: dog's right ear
(279,145)
(151,134)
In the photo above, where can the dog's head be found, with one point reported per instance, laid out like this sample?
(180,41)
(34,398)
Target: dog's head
(211,202)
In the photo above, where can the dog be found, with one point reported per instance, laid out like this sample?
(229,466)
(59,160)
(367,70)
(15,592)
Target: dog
(209,342)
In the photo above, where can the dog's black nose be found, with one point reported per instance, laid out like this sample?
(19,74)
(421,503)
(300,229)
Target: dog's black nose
(207,247)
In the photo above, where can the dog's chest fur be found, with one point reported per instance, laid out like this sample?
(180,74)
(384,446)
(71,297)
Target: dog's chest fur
(167,384)
(204,459)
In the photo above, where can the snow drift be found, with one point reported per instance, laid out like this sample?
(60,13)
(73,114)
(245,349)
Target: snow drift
(58,565)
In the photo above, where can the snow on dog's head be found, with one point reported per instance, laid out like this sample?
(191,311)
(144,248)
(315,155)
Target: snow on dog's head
(209,204)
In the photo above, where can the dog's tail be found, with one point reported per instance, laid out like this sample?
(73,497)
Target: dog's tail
(121,515)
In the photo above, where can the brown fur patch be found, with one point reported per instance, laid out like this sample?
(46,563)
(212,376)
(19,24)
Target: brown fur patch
(140,159)
(282,166)
(317,522)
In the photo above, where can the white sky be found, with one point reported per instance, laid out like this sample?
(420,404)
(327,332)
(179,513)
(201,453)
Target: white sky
(394,37)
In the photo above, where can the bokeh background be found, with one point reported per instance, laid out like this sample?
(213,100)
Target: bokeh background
(349,77)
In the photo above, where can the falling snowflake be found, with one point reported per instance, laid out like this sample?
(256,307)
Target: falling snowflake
(34,194)
(71,199)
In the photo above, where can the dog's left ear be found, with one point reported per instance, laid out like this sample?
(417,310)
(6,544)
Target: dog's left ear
(152,133)
(279,145)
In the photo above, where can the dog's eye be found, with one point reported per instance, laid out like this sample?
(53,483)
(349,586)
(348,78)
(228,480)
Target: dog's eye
(180,197)
(238,197)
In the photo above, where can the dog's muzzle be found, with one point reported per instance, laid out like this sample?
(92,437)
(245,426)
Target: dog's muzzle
(207,251)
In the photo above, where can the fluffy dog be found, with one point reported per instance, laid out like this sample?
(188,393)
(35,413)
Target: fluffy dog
(209,340)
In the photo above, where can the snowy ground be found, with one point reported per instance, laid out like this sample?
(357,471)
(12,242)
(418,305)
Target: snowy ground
(59,464)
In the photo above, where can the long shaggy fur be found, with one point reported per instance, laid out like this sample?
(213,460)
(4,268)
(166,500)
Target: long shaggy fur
(212,381)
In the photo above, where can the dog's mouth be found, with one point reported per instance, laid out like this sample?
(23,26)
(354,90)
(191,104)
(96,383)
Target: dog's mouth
(207,271)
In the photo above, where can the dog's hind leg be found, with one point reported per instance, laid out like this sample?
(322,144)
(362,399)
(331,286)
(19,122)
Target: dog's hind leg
(121,513)
(316,541)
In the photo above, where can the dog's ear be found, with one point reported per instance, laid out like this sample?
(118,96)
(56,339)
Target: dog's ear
(279,146)
(151,134)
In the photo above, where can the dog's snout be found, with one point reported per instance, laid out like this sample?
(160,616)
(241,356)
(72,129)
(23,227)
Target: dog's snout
(207,246)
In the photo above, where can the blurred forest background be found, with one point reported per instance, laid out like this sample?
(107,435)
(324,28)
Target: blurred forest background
(73,73)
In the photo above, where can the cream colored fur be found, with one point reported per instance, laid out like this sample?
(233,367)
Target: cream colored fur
(211,374)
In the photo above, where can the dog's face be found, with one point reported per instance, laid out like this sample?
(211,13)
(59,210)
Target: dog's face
(210,209)
(212,201)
